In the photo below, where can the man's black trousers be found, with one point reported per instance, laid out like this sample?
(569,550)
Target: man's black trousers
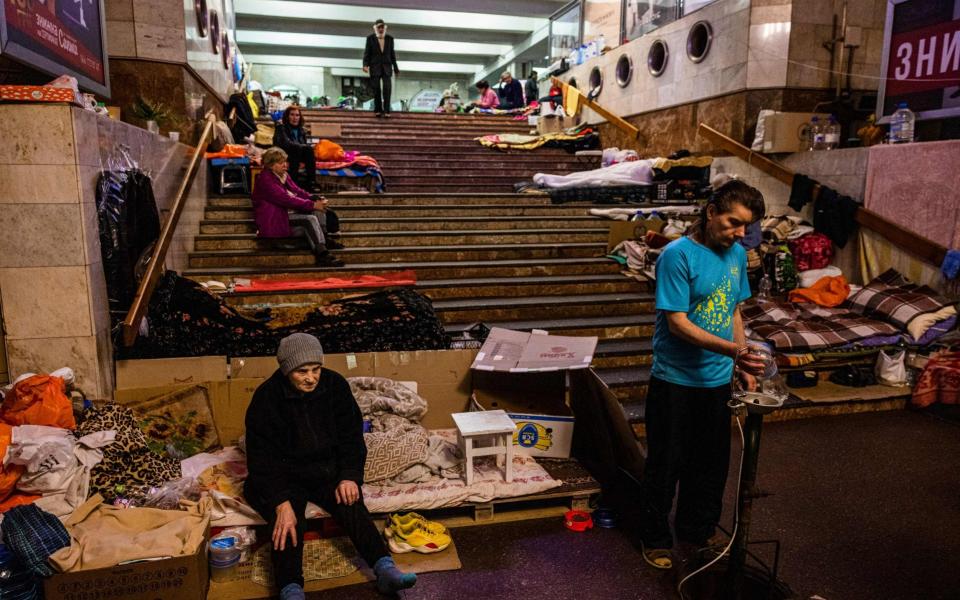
(381,101)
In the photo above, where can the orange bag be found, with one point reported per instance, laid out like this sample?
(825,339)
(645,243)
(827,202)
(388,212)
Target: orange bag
(38,400)
(10,473)
(327,151)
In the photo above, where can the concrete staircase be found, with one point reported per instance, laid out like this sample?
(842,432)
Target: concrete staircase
(422,152)
(504,259)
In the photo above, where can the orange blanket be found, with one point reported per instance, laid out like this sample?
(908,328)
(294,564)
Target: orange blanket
(827,291)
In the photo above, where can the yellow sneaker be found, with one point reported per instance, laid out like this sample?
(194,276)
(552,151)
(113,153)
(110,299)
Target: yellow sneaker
(408,522)
(419,539)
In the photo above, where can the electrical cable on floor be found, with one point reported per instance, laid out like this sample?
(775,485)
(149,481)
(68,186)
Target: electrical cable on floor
(736,520)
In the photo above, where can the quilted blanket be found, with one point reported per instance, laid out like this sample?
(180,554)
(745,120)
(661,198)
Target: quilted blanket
(798,328)
(892,298)
(939,381)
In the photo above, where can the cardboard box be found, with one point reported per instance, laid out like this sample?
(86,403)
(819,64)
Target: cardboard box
(325,130)
(525,374)
(632,230)
(179,578)
(36,93)
(550,124)
(170,371)
(787,131)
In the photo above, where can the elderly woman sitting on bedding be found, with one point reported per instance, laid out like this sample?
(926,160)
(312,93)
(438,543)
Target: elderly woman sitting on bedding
(275,195)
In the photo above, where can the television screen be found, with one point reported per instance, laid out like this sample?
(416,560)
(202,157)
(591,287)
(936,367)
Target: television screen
(58,37)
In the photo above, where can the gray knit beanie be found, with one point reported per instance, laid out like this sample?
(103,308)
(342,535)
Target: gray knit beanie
(297,350)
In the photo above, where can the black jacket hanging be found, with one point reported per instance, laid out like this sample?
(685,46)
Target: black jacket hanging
(245,124)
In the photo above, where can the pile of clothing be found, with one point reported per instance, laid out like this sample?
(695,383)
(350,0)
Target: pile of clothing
(582,137)
(187,320)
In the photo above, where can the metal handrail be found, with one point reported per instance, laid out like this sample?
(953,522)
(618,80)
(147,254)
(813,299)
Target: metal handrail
(138,309)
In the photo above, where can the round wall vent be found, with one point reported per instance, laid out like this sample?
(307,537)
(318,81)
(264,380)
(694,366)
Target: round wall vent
(596,82)
(624,70)
(203,18)
(699,40)
(215,31)
(657,58)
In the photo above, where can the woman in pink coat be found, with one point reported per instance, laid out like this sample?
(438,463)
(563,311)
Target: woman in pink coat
(275,195)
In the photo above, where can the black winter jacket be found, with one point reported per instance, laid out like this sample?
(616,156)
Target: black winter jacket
(290,139)
(296,441)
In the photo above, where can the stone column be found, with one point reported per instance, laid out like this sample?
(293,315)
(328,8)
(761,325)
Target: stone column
(52,285)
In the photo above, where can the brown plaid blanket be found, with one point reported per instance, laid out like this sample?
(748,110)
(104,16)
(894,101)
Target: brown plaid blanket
(803,327)
(892,298)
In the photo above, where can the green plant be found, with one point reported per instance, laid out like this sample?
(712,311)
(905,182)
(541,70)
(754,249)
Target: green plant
(148,110)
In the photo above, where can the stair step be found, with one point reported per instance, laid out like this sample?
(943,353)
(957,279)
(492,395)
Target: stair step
(281,258)
(363,225)
(556,307)
(425,270)
(618,326)
(365,239)
(467,287)
(352,200)
(423,210)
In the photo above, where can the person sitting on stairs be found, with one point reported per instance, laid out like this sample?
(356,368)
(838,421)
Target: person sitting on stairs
(275,193)
(488,97)
(291,136)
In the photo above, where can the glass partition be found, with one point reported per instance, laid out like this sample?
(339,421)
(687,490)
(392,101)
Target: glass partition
(643,16)
(565,31)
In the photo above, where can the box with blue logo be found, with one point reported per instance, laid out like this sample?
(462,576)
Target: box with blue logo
(525,374)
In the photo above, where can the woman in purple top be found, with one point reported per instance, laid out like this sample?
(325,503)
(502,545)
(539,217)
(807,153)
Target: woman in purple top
(275,195)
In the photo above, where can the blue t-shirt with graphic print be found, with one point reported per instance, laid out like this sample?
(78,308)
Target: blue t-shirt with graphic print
(707,285)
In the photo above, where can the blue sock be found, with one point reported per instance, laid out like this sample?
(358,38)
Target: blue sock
(292,591)
(390,579)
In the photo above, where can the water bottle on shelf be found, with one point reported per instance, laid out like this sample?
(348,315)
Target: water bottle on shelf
(901,125)
(601,44)
(832,133)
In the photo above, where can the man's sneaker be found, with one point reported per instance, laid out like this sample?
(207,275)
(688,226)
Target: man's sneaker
(408,522)
(420,539)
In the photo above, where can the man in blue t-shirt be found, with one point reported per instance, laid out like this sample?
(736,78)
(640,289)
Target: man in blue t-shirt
(701,280)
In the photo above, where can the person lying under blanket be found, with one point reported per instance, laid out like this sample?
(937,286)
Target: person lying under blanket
(305,443)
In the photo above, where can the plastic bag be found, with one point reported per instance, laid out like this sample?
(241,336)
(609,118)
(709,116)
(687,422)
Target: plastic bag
(168,495)
(38,400)
(891,368)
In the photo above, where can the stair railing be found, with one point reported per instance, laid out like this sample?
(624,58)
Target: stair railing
(138,309)
(593,105)
(924,248)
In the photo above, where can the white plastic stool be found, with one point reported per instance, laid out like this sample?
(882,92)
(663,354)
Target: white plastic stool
(486,426)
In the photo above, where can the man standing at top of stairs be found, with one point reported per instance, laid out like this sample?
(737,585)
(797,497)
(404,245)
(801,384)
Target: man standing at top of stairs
(380,61)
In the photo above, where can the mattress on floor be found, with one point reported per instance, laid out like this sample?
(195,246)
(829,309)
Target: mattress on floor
(488,484)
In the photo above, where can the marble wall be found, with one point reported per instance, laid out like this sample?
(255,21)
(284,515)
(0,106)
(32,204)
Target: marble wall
(52,285)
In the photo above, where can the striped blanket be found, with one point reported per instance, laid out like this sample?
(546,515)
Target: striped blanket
(799,328)
(377,175)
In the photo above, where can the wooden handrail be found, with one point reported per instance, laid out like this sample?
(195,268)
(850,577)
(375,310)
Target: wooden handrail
(614,120)
(924,248)
(138,309)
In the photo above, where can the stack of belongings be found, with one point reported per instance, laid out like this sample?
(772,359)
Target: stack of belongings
(624,178)
(61,467)
(581,137)
(187,320)
(334,161)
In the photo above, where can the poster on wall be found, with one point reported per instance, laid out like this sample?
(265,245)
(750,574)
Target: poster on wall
(602,18)
(643,16)
(921,58)
(58,37)
(565,31)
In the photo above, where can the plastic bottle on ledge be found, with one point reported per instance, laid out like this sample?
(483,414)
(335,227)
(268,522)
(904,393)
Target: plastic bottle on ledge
(601,44)
(902,125)
(832,133)
(816,135)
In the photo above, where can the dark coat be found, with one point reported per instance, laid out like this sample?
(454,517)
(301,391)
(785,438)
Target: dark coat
(245,123)
(380,63)
(296,441)
(511,94)
(291,139)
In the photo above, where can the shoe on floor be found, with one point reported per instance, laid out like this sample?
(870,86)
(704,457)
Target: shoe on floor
(658,558)
(386,115)
(292,591)
(379,114)
(405,524)
(333,244)
(420,539)
(328,260)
